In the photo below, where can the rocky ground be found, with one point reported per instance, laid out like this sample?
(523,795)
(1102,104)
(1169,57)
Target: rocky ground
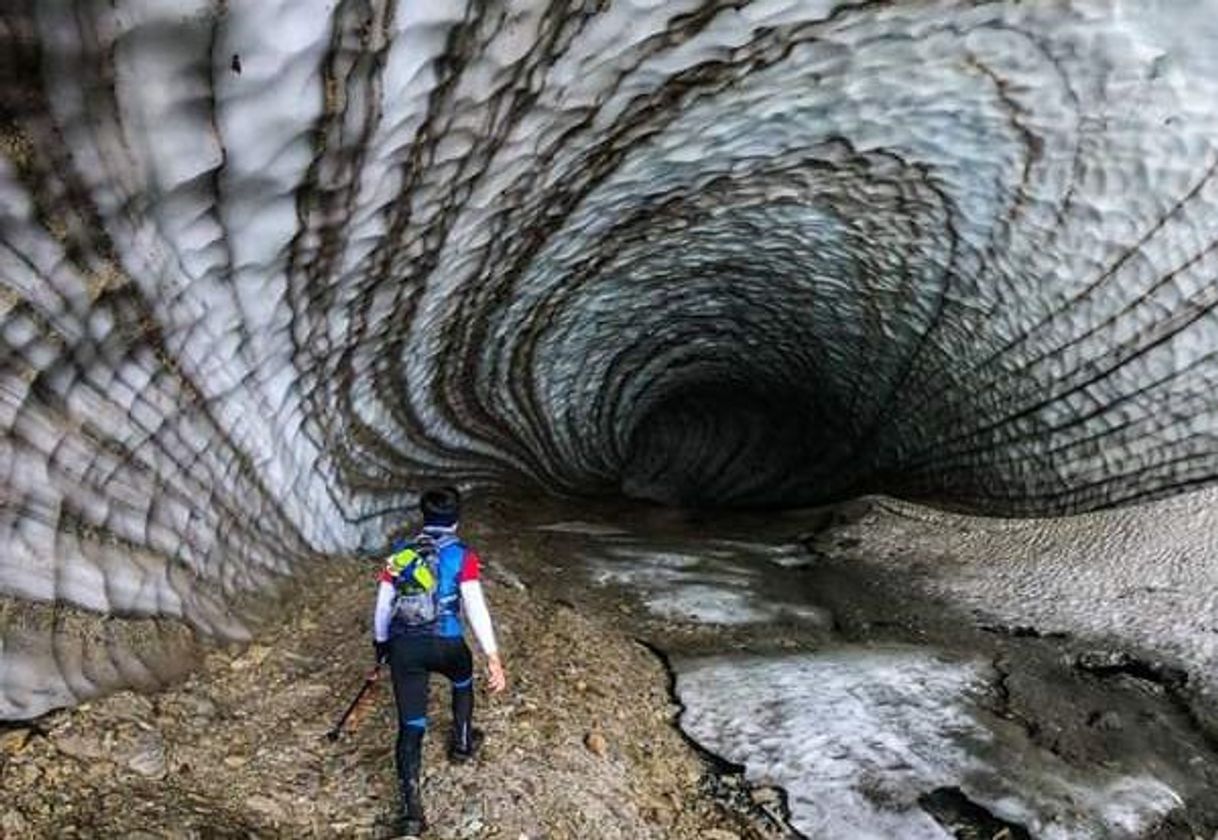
(583,743)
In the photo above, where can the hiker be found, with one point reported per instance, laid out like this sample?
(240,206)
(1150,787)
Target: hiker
(428,582)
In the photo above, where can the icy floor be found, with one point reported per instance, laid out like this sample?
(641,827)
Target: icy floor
(576,526)
(854,734)
(720,584)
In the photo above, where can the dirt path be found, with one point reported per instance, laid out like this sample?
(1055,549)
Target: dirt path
(582,744)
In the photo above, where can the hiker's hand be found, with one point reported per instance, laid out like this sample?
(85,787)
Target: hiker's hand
(498,680)
(382,652)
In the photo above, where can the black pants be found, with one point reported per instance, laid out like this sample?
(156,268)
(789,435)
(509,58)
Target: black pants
(412,659)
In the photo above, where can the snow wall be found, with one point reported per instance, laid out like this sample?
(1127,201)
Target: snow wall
(268,266)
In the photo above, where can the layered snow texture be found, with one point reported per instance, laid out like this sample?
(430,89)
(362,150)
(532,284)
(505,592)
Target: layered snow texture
(1146,575)
(266,266)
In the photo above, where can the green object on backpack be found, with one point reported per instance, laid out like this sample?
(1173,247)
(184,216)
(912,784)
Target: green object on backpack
(416,601)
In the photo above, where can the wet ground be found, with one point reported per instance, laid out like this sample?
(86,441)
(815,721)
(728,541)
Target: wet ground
(885,710)
(808,681)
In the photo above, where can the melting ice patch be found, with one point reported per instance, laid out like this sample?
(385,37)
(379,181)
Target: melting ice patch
(709,587)
(856,735)
(579,526)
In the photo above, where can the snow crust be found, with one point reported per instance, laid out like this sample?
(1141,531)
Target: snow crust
(856,735)
(715,583)
(1143,578)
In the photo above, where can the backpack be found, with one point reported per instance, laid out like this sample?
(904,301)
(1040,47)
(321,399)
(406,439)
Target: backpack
(416,600)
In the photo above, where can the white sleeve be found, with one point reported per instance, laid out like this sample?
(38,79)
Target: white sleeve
(381,616)
(479,618)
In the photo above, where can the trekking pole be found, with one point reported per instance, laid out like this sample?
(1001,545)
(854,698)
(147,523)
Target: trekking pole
(369,682)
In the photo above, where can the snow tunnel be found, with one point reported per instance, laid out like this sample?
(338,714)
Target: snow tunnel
(269,266)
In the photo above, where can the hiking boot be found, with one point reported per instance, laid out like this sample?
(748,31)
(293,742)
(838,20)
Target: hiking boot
(465,739)
(408,826)
(410,821)
(464,743)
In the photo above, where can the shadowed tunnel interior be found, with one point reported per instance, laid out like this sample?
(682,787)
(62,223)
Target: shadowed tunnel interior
(267,267)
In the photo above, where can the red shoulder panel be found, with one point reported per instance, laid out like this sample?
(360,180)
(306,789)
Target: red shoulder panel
(471,566)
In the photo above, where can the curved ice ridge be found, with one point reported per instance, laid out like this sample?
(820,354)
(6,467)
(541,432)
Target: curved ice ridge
(267,265)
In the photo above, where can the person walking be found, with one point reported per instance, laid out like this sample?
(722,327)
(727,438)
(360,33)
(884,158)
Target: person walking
(428,583)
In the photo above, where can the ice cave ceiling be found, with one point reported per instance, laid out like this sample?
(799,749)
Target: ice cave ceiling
(267,265)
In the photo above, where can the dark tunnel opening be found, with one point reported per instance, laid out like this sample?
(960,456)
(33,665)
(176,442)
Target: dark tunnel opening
(733,255)
(729,444)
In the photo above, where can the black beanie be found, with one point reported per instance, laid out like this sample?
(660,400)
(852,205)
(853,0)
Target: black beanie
(441,506)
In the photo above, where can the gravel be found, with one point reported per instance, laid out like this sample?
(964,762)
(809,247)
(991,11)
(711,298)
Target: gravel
(583,743)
